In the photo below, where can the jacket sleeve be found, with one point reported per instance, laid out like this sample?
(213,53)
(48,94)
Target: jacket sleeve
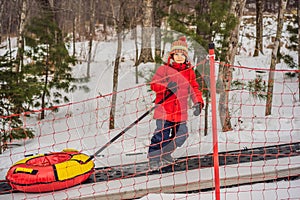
(159,81)
(196,94)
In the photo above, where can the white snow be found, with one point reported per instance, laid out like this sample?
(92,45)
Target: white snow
(83,124)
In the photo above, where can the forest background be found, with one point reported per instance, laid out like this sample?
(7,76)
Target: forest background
(36,75)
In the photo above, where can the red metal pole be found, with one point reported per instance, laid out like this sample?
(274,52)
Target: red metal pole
(214,118)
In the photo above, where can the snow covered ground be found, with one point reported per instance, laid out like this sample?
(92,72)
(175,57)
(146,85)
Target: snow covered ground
(83,124)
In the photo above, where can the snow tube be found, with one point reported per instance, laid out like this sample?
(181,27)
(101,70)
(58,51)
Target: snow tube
(50,172)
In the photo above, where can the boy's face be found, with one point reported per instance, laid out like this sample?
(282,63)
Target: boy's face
(179,58)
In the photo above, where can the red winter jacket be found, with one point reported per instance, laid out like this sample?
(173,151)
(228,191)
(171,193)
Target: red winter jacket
(175,108)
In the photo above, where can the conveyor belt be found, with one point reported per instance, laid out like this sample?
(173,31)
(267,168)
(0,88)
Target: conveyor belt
(187,163)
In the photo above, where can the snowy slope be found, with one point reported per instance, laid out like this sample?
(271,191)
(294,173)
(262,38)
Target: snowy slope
(83,124)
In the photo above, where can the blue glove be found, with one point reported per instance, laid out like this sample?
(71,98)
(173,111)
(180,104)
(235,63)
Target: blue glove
(172,87)
(198,107)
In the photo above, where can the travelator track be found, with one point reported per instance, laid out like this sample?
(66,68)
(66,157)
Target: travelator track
(194,162)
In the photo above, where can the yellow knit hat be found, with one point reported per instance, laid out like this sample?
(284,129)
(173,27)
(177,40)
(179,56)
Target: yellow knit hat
(180,46)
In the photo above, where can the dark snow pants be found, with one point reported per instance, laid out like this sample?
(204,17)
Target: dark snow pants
(167,137)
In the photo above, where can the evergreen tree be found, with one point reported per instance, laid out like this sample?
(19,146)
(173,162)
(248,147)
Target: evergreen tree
(293,45)
(213,22)
(50,61)
(14,96)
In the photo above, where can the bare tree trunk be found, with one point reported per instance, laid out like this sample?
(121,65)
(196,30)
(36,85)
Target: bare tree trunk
(203,71)
(74,34)
(168,33)
(157,31)
(116,66)
(105,28)
(72,15)
(206,115)
(20,51)
(237,8)
(115,84)
(81,20)
(133,26)
(281,10)
(134,34)
(1,16)
(157,43)
(259,28)
(270,5)
(9,31)
(146,50)
(136,57)
(203,8)
(46,82)
(91,35)
(113,12)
